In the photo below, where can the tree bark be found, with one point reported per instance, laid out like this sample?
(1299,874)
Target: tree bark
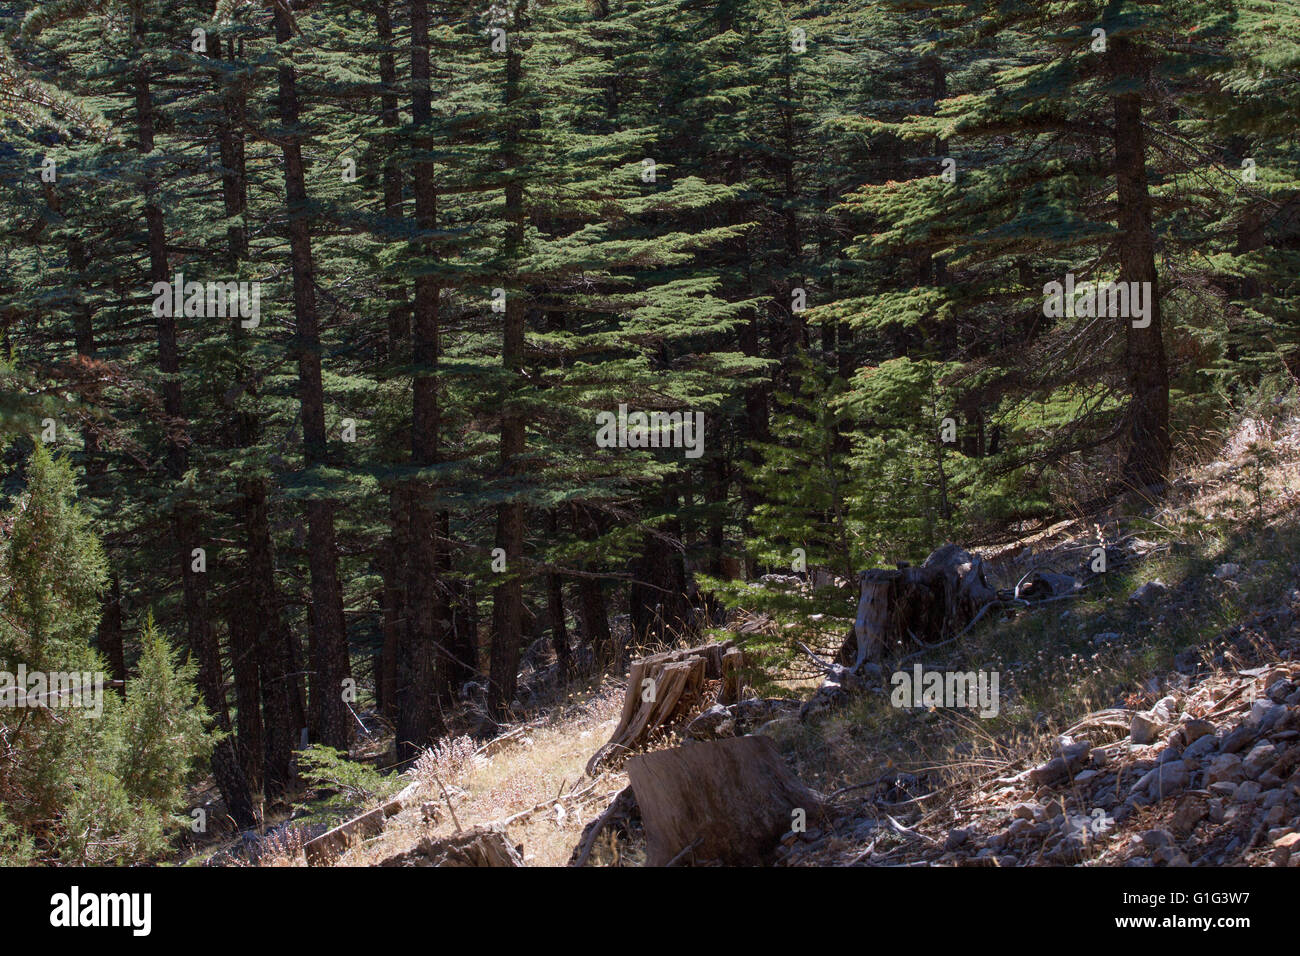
(592,610)
(418,720)
(720,801)
(660,608)
(507,597)
(396,548)
(1144,352)
(555,607)
(330,664)
(460,652)
(243,661)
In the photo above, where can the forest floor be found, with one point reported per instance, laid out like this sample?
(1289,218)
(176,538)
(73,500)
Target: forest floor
(1153,718)
(1094,756)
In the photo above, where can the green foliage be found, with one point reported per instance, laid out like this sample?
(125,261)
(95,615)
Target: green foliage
(92,777)
(798,269)
(323,768)
(51,571)
(163,724)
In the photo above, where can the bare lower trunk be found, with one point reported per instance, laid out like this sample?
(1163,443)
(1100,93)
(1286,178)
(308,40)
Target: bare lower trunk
(272,646)
(1144,353)
(248,701)
(226,768)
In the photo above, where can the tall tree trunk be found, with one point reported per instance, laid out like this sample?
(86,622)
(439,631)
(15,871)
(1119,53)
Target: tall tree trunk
(248,691)
(417,719)
(396,548)
(272,644)
(593,612)
(393,572)
(185,524)
(109,633)
(657,600)
(230,143)
(507,597)
(226,767)
(330,665)
(458,662)
(555,605)
(1144,352)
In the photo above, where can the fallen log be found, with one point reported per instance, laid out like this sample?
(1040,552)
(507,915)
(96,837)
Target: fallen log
(718,802)
(323,850)
(331,844)
(661,690)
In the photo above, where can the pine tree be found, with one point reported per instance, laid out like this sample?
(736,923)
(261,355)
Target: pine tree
(88,777)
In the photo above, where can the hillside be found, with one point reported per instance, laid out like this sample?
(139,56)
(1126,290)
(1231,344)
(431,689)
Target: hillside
(1153,719)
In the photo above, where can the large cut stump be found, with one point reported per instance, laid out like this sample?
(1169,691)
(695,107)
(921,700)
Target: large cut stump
(661,690)
(721,801)
(923,604)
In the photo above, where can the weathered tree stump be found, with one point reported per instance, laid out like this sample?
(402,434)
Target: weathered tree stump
(720,801)
(661,690)
(481,846)
(925,604)
(732,676)
(619,816)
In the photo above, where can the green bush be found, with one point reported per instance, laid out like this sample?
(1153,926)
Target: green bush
(96,784)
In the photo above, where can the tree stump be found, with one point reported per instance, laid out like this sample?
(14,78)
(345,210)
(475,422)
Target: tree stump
(924,604)
(619,816)
(661,690)
(481,846)
(732,676)
(721,801)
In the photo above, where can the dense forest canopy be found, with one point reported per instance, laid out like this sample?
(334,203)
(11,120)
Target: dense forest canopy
(380,343)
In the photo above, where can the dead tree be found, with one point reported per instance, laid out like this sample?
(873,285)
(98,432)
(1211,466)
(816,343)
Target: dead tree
(664,688)
(910,605)
(718,802)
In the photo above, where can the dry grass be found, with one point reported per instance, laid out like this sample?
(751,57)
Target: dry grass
(535,782)
(1240,507)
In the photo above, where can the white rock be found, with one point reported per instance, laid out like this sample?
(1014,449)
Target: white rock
(1143,729)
